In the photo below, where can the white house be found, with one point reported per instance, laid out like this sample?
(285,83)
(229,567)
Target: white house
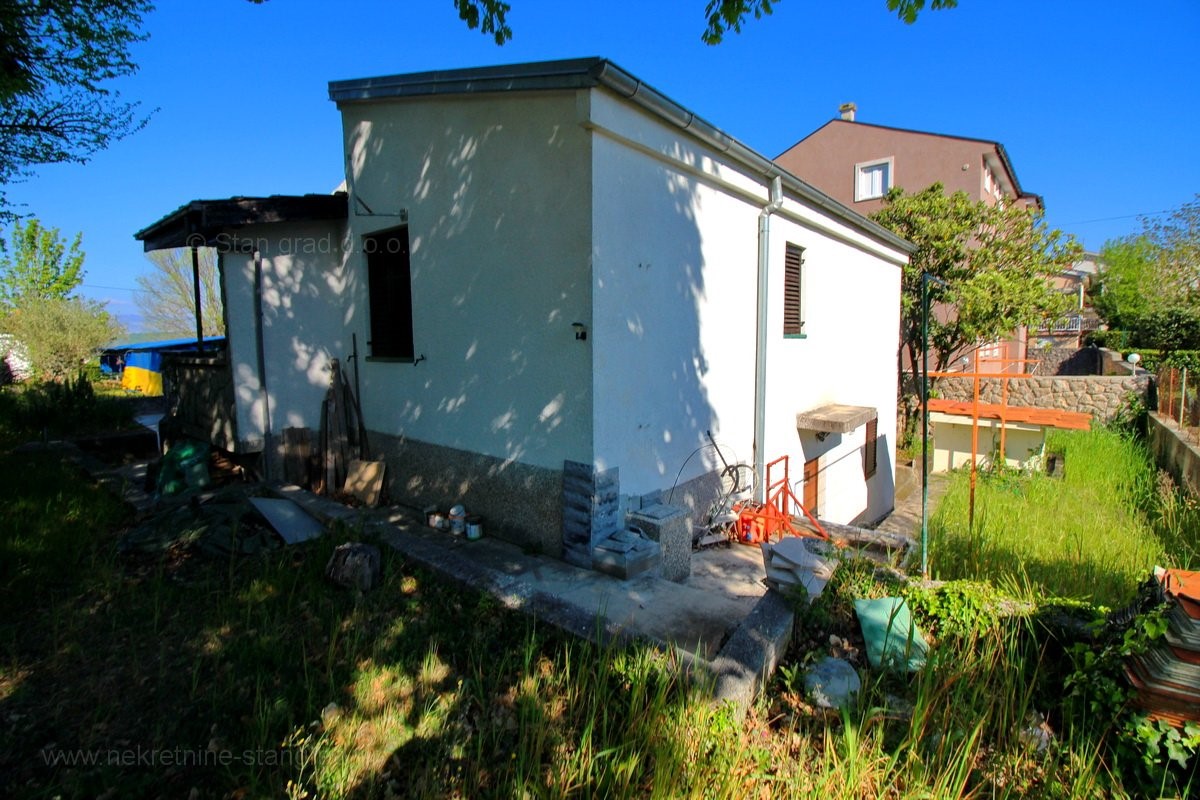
(553,262)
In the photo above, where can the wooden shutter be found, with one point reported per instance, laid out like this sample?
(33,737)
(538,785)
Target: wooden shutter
(871,450)
(793,261)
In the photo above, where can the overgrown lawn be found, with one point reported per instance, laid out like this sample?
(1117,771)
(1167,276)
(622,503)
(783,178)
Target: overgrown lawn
(1093,534)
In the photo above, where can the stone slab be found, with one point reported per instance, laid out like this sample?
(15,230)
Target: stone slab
(288,519)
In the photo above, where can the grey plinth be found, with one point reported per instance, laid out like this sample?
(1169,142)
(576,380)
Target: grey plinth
(671,527)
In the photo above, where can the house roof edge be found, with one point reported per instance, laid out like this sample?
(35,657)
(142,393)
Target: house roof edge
(588,73)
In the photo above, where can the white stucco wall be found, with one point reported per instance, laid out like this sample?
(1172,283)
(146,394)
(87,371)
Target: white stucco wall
(848,356)
(495,189)
(308,313)
(675,256)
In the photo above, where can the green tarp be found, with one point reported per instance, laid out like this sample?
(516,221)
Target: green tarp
(892,638)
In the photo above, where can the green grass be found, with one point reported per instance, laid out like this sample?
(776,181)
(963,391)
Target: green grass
(1090,535)
(50,410)
(266,681)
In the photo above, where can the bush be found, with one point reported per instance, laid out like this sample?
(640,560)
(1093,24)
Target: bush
(1115,340)
(60,408)
(1168,330)
(61,335)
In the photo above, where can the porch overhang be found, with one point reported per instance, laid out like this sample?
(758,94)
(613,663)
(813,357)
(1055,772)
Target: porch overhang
(200,222)
(835,418)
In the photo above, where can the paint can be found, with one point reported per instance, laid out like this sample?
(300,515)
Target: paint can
(458,520)
(474,527)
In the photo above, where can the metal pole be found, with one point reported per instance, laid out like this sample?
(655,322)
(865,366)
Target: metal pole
(974,443)
(925,425)
(1182,396)
(925,279)
(196,294)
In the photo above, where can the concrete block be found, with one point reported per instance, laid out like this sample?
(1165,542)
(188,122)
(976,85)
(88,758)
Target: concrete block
(646,557)
(671,527)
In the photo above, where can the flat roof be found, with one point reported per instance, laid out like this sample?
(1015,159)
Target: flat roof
(197,224)
(160,344)
(588,73)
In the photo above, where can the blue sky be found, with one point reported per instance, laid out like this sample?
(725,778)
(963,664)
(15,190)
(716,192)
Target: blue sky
(1097,102)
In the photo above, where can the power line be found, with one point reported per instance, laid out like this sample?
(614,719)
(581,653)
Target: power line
(1125,216)
(113,288)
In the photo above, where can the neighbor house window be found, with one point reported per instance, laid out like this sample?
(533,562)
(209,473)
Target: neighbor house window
(793,290)
(872,179)
(871,449)
(389,286)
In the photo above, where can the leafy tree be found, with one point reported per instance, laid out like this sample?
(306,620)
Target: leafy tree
(729,15)
(38,264)
(166,297)
(1149,284)
(722,16)
(1120,292)
(60,334)
(993,262)
(55,56)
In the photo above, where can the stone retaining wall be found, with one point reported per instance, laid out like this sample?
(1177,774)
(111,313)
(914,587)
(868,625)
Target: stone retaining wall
(1102,396)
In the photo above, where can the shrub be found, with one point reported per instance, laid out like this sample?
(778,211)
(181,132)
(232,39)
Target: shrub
(61,335)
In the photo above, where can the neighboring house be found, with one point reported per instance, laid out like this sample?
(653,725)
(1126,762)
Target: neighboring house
(551,263)
(857,163)
(1057,343)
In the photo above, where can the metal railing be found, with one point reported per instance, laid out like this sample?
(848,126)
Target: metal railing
(1179,399)
(1074,323)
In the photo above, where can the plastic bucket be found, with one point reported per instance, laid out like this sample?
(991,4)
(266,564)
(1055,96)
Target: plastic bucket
(474,528)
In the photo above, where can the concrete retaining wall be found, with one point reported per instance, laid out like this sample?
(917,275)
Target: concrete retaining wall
(1173,452)
(1102,396)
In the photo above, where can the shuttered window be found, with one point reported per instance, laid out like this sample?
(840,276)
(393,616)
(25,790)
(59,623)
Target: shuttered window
(389,290)
(871,449)
(793,283)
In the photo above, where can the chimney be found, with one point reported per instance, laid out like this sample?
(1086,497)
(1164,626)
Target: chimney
(847,111)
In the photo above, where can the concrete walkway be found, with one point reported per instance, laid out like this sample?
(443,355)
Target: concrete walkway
(905,519)
(721,623)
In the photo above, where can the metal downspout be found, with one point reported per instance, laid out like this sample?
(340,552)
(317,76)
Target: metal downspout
(260,356)
(760,349)
(196,297)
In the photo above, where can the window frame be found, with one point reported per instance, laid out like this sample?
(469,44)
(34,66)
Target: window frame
(889,163)
(385,300)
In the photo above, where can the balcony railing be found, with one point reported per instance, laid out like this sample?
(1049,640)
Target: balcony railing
(1073,323)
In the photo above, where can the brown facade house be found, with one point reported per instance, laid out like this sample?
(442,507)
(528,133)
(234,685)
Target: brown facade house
(858,162)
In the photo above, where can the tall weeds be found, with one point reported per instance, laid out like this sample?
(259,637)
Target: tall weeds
(1085,536)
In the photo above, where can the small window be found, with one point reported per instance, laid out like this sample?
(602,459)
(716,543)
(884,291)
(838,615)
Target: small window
(872,179)
(793,288)
(389,286)
(871,449)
